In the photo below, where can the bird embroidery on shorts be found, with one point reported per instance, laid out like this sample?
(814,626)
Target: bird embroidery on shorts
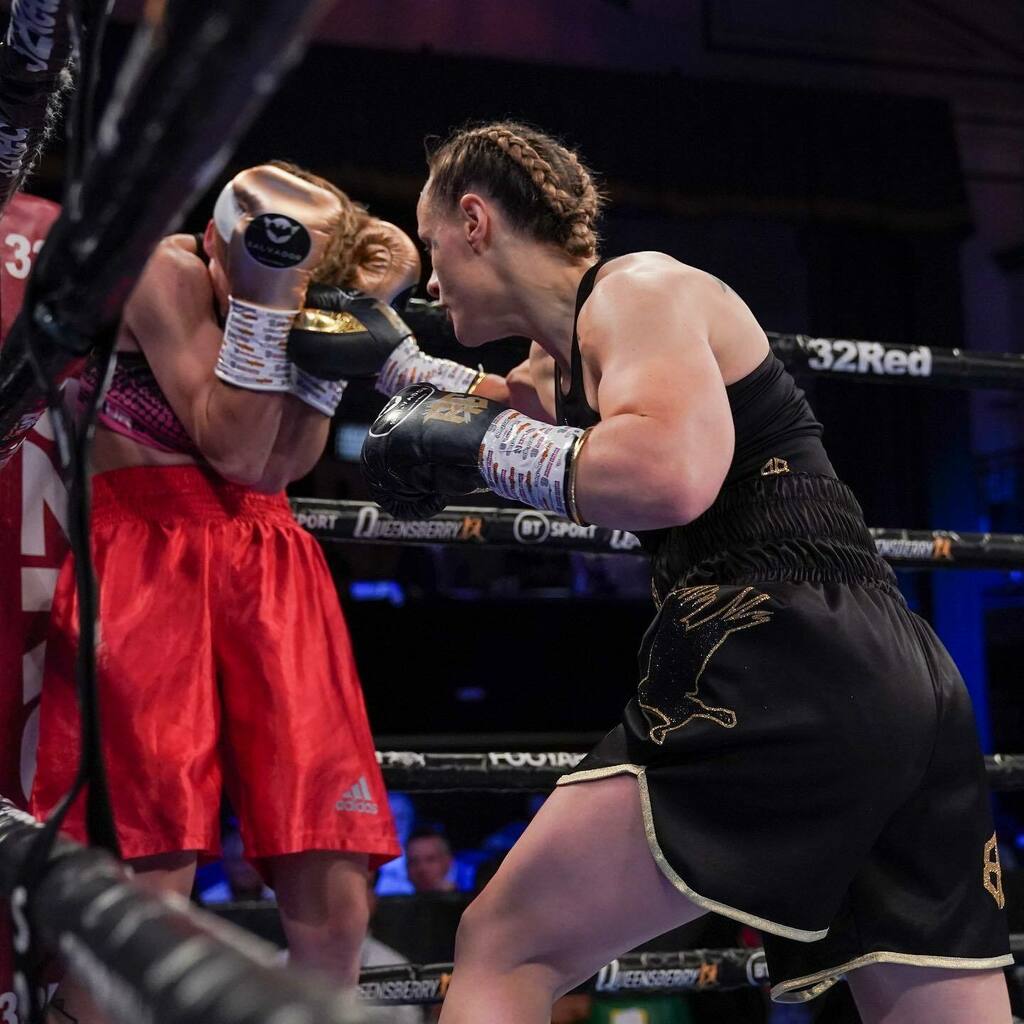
(682,647)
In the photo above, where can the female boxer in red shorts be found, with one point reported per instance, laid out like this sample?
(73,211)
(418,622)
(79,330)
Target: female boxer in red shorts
(224,660)
(800,754)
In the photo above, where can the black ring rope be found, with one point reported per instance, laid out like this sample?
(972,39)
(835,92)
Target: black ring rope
(468,526)
(149,957)
(919,365)
(175,81)
(429,771)
(192,82)
(37,56)
(843,358)
(653,973)
(691,970)
(190,85)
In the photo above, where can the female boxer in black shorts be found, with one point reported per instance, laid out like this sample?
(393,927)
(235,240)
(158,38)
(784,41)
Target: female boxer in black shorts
(800,753)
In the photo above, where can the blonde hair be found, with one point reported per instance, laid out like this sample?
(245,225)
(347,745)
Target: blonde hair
(342,257)
(542,186)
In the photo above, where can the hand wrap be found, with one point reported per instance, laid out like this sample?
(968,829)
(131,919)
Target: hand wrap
(409,364)
(278,236)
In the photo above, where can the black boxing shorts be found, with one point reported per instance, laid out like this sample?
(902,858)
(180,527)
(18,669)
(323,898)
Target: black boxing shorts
(808,765)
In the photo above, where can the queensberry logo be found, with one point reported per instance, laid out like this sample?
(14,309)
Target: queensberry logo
(936,549)
(615,978)
(371,525)
(399,991)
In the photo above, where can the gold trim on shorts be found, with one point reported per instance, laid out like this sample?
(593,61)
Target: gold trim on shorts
(591,775)
(802,990)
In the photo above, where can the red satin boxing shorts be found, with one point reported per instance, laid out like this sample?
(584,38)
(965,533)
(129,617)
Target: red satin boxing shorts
(224,661)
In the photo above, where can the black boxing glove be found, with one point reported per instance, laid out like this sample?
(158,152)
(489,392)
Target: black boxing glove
(424,447)
(428,446)
(344,335)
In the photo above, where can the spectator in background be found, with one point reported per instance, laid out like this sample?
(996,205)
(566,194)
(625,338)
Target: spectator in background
(429,862)
(375,954)
(499,842)
(392,879)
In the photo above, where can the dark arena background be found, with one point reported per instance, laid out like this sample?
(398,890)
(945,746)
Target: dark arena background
(854,170)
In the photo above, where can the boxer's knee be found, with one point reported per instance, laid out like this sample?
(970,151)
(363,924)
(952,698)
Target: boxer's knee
(324,902)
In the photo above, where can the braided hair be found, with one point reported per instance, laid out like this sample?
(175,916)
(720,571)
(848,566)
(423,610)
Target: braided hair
(542,185)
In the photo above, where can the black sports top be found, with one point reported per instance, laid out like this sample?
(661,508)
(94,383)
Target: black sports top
(781,514)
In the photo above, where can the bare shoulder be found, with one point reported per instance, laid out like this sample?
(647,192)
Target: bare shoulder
(643,269)
(635,291)
(176,254)
(175,283)
(652,271)
(642,278)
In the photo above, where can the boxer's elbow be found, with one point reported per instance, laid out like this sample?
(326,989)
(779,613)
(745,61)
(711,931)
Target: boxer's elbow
(236,468)
(637,473)
(230,458)
(695,463)
(684,493)
(235,431)
(278,474)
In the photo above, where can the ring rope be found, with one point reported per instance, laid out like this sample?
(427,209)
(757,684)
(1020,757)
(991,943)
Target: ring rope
(191,84)
(854,360)
(420,771)
(652,973)
(147,957)
(469,526)
(863,361)
(691,970)
(192,81)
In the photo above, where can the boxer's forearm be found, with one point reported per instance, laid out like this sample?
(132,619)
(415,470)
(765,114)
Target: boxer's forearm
(634,474)
(299,444)
(493,387)
(236,429)
(515,392)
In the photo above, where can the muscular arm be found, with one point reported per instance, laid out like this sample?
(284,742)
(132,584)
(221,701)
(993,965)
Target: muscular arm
(170,315)
(663,447)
